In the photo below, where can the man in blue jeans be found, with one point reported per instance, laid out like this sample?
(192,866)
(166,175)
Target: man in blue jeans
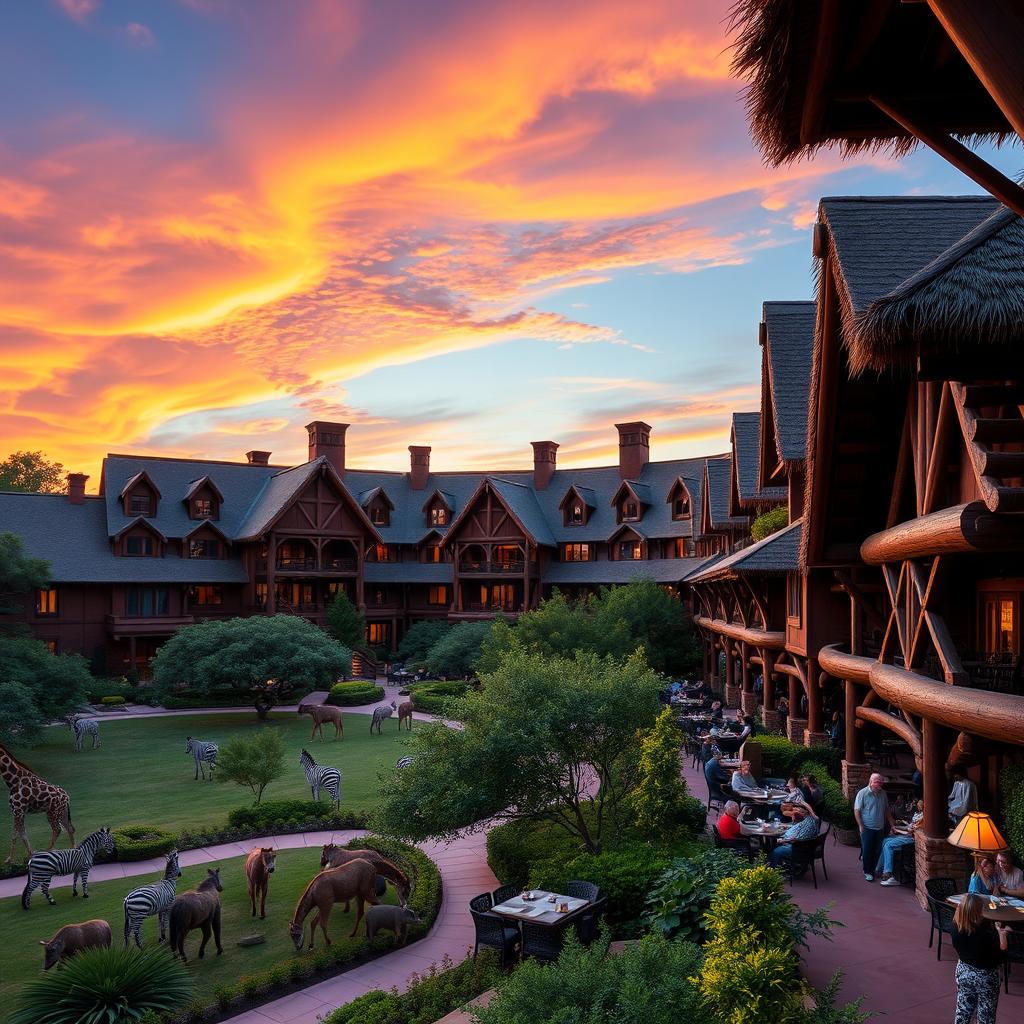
(871,809)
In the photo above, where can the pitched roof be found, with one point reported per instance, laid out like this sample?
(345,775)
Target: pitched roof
(521,500)
(789,342)
(778,553)
(640,491)
(365,497)
(746,456)
(141,477)
(144,523)
(718,473)
(585,494)
(198,485)
(661,570)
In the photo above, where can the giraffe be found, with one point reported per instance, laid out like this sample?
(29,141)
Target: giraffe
(29,794)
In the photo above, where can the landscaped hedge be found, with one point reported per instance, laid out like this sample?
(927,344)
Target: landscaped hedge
(186,699)
(354,693)
(780,758)
(1011,781)
(434,698)
(140,842)
(100,688)
(112,701)
(276,814)
(835,807)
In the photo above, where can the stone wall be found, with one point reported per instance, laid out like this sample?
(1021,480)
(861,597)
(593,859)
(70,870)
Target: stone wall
(795,729)
(748,701)
(812,739)
(732,695)
(935,858)
(855,778)
(773,720)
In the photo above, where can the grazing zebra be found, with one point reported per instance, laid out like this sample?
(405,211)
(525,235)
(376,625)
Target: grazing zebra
(203,752)
(82,726)
(379,714)
(146,900)
(321,776)
(404,762)
(76,862)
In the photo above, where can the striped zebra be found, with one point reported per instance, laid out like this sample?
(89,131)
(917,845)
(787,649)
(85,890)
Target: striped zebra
(404,762)
(82,726)
(379,714)
(146,900)
(321,776)
(204,752)
(76,862)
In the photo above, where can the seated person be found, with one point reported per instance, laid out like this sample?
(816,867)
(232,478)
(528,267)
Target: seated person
(729,822)
(1010,878)
(676,686)
(984,880)
(716,710)
(708,749)
(805,826)
(782,706)
(812,792)
(793,792)
(963,797)
(743,781)
(894,842)
(714,773)
(735,725)
(716,730)
(749,727)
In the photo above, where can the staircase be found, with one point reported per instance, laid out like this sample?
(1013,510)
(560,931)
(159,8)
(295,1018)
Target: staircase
(364,665)
(993,427)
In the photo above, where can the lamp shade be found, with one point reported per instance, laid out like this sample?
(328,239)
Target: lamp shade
(977,831)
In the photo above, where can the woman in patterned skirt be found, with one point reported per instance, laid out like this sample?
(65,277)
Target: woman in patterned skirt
(981,949)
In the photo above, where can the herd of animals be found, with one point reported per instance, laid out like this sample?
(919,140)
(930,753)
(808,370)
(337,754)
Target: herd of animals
(345,875)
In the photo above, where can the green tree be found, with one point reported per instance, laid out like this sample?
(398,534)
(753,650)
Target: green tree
(345,622)
(456,653)
(253,761)
(271,657)
(769,522)
(19,574)
(420,637)
(36,686)
(31,471)
(659,797)
(544,739)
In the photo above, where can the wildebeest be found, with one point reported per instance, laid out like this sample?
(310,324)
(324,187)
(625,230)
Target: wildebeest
(73,938)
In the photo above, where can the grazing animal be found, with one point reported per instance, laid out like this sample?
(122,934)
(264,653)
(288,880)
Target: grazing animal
(29,794)
(76,862)
(73,938)
(259,866)
(197,908)
(392,919)
(321,776)
(321,713)
(352,881)
(204,752)
(404,762)
(379,714)
(146,900)
(334,856)
(405,714)
(82,726)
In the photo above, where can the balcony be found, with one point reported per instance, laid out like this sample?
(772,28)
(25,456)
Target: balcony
(492,568)
(152,625)
(305,565)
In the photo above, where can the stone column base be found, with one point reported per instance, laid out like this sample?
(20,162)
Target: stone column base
(732,695)
(772,720)
(855,778)
(812,739)
(935,858)
(795,728)
(748,702)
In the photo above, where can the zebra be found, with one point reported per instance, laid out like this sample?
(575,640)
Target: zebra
(379,714)
(321,776)
(404,762)
(203,752)
(82,726)
(145,900)
(76,862)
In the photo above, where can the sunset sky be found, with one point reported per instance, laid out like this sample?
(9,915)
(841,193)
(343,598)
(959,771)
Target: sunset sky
(469,225)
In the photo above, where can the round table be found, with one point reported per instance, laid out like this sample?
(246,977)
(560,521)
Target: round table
(994,910)
(766,834)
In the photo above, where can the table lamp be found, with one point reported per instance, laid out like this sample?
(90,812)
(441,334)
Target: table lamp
(977,831)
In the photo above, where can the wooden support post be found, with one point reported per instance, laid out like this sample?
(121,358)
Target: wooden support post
(748,683)
(854,736)
(271,606)
(814,714)
(933,768)
(768,667)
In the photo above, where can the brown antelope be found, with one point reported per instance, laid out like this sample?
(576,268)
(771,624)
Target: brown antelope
(198,908)
(333,856)
(405,714)
(259,866)
(352,881)
(321,713)
(73,938)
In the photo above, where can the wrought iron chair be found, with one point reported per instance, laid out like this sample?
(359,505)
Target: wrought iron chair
(740,846)
(1014,955)
(582,890)
(805,853)
(942,921)
(543,942)
(588,923)
(482,903)
(493,932)
(502,893)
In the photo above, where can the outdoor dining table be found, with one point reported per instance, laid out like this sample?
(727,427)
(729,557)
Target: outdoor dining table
(997,908)
(730,762)
(541,909)
(761,796)
(767,833)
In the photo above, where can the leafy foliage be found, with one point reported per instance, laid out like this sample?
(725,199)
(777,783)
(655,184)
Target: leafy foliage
(269,656)
(782,758)
(105,986)
(253,761)
(533,739)
(345,622)
(31,471)
(769,522)
(19,573)
(420,637)
(354,693)
(455,654)
(834,807)
(649,982)
(140,842)
(658,799)
(280,814)
(435,698)
(1011,782)
(679,900)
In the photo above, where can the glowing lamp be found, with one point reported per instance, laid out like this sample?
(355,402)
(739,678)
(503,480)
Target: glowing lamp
(978,832)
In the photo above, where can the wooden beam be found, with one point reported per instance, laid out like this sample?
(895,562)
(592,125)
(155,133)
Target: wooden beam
(842,665)
(771,640)
(816,93)
(906,732)
(1007,191)
(899,480)
(937,459)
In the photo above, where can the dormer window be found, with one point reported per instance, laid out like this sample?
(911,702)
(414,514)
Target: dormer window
(203,499)
(379,515)
(630,511)
(141,545)
(576,506)
(140,505)
(202,508)
(575,552)
(576,514)
(204,547)
(139,496)
(630,550)
(439,516)
(681,507)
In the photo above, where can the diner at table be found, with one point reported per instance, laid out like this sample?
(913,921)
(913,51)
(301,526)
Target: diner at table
(1010,881)
(805,826)
(743,780)
(729,821)
(902,835)
(984,881)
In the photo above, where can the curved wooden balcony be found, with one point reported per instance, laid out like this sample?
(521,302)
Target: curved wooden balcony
(774,640)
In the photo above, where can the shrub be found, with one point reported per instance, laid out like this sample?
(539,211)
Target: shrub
(835,807)
(435,698)
(657,799)
(352,694)
(345,622)
(769,522)
(274,813)
(1011,780)
(112,700)
(187,698)
(420,637)
(97,689)
(513,849)
(680,898)
(253,761)
(140,842)
(781,758)
(98,986)
(456,653)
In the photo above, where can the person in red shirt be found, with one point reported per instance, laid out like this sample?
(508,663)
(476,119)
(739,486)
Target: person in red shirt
(728,821)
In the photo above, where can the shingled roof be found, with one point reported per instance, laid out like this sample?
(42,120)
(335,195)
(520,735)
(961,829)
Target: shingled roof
(661,570)
(788,344)
(718,474)
(778,553)
(746,456)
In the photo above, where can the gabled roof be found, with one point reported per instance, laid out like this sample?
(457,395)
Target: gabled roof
(661,570)
(198,485)
(776,554)
(210,525)
(519,500)
(140,521)
(632,528)
(141,477)
(365,497)
(744,491)
(640,491)
(448,500)
(584,494)
(788,344)
(717,478)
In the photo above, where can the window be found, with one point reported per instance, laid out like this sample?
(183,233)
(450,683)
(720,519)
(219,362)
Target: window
(377,633)
(46,601)
(204,548)
(294,555)
(438,516)
(139,545)
(207,595)
(146,601)
(381,553)
(378,597)
(503,596)
(630,550)
(508,557)
(379,515)
(261,594)
(575,552)
(683,547)
(432,553)
(51,646)
(681,507)
(629,511)
(294,595)
(202,508)
(139,505)
(438,595)
(576,514)
(793,595)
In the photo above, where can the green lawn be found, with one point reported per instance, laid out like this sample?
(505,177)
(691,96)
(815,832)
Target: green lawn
(20,931)
(141,774)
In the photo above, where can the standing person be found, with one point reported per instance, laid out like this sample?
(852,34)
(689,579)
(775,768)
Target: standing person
(963,797)
(981,949)
(871,809)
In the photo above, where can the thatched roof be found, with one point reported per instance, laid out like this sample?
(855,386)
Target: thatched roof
(813,65)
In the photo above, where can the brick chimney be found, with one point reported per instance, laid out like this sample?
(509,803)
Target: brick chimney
(543,463)
(258,458)
(634,448)
(328,439)
(76,488)
(419,466)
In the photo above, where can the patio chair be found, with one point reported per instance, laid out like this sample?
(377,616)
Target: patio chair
(740,846)
(495,933)
(941,887)
(582,890)
(588,923)
(805,853)
(1014,955)
(942,921)
(904,864)
(504,892)
(481,903)
(543,942)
